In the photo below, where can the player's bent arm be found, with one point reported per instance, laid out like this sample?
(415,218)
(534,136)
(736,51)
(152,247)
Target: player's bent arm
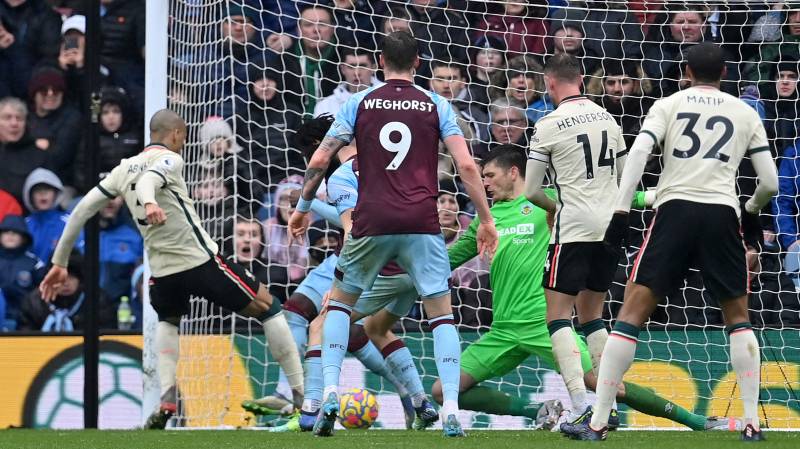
(326,211)
(534,176)
(318,164)
(465,248)
(470,176)
(84,210)
(636,161)
(147,185)
(767,181)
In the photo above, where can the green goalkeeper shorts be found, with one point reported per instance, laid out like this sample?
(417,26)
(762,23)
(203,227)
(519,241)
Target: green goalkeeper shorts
(506,347)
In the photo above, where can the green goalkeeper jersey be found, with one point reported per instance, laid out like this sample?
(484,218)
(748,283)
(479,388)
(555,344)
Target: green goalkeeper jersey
(516,271)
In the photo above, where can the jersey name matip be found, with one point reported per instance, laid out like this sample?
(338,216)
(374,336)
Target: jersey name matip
(704,134)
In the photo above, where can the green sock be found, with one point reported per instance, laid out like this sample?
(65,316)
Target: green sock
(647,401)
(495,402)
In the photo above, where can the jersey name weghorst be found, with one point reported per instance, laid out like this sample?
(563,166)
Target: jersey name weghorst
(397,126)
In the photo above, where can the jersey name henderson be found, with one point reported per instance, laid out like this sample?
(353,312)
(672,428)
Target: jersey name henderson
(397,127)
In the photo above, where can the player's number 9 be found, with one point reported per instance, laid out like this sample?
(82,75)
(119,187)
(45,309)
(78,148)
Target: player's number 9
(400,147)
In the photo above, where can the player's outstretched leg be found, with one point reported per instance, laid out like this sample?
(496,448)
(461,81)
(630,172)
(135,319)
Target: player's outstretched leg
(401,363)
(281,344)
(447,350)
(369,355)
(490,400)
(647,401)
(167,345)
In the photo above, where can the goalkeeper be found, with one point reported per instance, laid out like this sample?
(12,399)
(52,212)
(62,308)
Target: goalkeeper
(519,328)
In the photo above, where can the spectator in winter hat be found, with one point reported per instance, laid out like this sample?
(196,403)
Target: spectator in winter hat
(486,59)
(291,259)
(46,221)
(265,124)
(120,136)
(54,125)
(20,270)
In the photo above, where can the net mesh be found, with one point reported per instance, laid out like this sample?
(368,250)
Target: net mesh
(242,62)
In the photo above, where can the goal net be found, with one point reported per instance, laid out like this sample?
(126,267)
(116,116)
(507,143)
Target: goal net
(244,81)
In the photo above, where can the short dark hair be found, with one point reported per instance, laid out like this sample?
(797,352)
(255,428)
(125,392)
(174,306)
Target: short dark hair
(308,137)
(357,52)
(507,156)
(436,63)
(706,61)
(310,134)
(399,51)
(563,67)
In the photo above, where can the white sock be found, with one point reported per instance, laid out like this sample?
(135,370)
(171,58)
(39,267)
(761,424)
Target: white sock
(617,359)
(596,341)
(568,357)
(328,390)
(746,361)
(449,407)
(167,347)
(284,351)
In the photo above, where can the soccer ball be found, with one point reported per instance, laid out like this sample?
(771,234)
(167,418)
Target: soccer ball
(358,409)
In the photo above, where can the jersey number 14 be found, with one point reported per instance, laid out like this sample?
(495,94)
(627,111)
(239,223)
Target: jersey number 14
(606,158)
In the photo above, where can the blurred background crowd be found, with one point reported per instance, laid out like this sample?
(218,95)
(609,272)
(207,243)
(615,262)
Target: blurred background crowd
(270,65)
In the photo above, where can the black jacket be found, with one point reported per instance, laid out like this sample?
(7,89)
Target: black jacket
(37,36)
(266,130)
(63,129)
(327,77)
(20,270)
(19,159)
(123,32)
(113,147)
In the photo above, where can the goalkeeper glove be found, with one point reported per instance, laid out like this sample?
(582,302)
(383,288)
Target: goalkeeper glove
(617,231)
(752,232)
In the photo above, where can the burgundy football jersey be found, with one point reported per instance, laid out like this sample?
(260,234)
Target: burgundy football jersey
(397,126)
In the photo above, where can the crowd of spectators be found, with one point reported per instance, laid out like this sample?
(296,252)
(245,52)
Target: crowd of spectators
(262,67)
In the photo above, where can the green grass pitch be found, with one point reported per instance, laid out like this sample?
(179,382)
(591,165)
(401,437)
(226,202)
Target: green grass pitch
(243,439)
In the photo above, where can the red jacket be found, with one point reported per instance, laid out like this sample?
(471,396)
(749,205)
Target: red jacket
(522,35)
(8,205)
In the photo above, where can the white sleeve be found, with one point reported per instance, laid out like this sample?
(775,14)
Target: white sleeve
(147,185)
(86,208)
(767,181)
(634,168)
(621,155)
(534,176)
